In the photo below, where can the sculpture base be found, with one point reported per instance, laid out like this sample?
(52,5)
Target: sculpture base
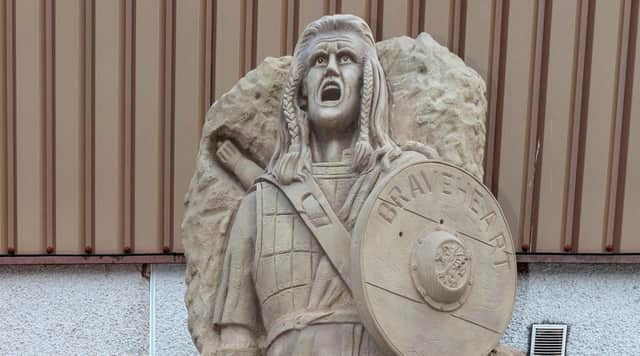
(504,350)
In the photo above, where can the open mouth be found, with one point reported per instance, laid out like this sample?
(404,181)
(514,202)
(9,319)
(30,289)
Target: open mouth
(331,92)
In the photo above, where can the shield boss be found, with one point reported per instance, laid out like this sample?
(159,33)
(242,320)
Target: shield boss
(434,269)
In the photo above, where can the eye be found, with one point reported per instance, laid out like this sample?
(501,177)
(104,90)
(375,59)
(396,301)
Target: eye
(345,59)
(320,60)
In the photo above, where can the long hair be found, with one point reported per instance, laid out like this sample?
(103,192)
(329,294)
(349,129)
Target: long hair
(373,145)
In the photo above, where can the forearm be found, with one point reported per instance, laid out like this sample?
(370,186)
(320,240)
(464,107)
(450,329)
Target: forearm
(241,166)
(247,172)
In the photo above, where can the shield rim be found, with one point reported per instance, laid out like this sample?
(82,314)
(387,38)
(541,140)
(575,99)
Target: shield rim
(362,304)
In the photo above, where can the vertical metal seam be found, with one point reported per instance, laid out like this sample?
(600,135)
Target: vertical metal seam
(88,128)
(168,124)
(10,132)
(579,121)
(292,15)
(49,125)
(496,89)
(334,7)
(458,24)
(416,17)
(129,125)
(536,123)
(376,18)
(209,54)
(625,67)
(626,122)
(414,8)
(250,9)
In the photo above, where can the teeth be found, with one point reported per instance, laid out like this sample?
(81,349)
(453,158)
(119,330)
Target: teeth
(331,92)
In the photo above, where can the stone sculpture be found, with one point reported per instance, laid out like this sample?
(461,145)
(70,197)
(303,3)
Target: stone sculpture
(349,242)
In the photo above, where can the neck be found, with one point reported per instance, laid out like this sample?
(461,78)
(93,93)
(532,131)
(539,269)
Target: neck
(328,145)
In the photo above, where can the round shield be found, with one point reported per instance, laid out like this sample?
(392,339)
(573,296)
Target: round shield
(433,263)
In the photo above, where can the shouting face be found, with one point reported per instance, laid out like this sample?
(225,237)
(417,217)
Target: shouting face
(333,81)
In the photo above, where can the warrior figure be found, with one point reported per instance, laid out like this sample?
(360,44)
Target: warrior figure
(280,292)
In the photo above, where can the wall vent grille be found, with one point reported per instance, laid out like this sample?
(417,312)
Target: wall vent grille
(548,340)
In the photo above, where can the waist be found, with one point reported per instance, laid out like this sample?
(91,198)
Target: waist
(302,319)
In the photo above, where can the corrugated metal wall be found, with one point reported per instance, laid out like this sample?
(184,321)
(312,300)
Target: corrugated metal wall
(102,104)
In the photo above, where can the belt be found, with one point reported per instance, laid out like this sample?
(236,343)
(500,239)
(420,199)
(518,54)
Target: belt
(298,321)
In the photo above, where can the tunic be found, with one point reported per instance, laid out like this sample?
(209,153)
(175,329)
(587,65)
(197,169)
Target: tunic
(277,280)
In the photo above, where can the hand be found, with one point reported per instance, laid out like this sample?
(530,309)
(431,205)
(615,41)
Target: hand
(235,162)
(228,154)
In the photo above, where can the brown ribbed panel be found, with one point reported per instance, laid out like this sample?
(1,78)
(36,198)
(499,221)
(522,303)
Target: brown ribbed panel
(133,100)
(578,124)
(309,11)
(397,18)
(250,16)
(334,6)
(478,32)
(458,24)
(518,70)
(129,100)
(478,52)
(376,17)
(416,16)
(495,92)
(189,98)
(355,7)
(438,17)
(601,103)
(30,126)
(553,172)
(630,224)
(209,20)
(168,86)
(88,143)
(68,134)
(148,128)
(620,129)
(229,41)
(109,120)
(49,126)
(271,35)
(292,26)
(535,140)
(8,170)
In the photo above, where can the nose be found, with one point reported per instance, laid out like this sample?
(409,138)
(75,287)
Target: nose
(332,65)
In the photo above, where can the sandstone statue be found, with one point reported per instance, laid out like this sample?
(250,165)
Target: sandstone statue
(329,215)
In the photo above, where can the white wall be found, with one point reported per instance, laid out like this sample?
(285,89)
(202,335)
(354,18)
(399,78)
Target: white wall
(104,310)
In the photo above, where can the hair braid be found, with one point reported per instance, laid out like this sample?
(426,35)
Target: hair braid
(363,147)
(289,106)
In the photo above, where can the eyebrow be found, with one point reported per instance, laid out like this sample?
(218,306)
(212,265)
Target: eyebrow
(346,45)
(343,43)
